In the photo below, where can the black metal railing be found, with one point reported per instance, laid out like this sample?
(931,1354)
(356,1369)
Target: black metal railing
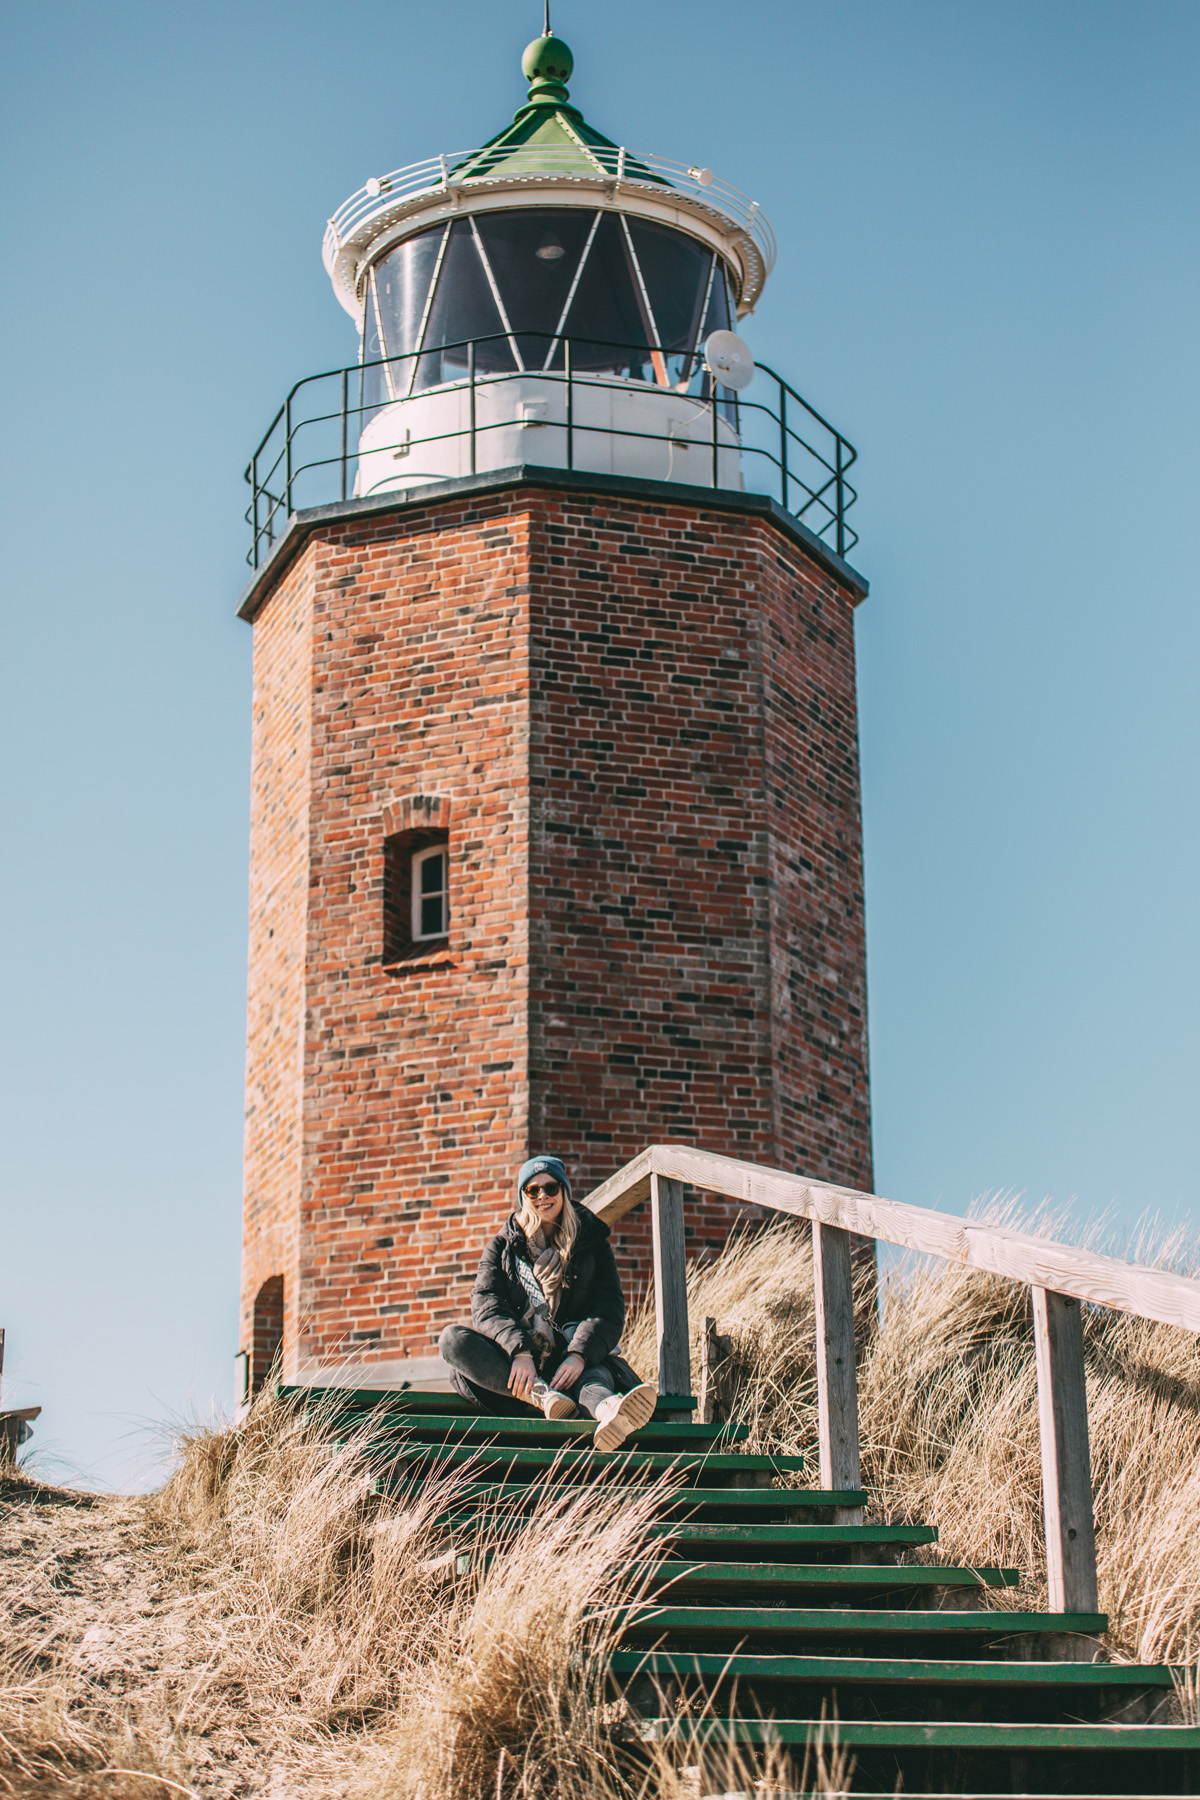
(777,443)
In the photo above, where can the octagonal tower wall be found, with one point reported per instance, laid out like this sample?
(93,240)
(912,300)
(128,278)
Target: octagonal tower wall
(632,712)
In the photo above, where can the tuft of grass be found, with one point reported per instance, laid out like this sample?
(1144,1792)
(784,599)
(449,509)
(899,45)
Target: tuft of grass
(513,1700)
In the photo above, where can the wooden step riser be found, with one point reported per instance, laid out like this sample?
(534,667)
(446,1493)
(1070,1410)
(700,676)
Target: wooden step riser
(814,1540)
(719,1469)
(996,1626)
(983,1703)
(1011,1769)
(682,1574)
(427,1427)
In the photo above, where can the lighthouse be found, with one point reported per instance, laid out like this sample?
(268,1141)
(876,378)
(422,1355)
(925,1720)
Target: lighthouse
(555,821)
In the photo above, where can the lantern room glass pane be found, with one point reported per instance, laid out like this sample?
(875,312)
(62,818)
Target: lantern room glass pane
(402,281)
(374,378)
(675,270)
(720,314)
(605,323)
(534,257)
(464,309)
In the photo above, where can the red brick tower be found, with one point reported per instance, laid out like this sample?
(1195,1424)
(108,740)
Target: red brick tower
(555,837)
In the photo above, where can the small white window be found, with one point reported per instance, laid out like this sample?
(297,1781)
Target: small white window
(430,895)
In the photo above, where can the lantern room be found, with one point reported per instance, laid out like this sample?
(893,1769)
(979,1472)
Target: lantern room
(551,298)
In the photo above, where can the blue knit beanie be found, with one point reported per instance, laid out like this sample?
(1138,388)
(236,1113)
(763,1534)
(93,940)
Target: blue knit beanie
(543,1165)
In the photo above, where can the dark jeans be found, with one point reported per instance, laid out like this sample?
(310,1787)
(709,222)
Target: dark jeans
(480,1371)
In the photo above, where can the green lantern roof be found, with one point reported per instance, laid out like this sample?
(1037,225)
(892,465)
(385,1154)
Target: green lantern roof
(551,136)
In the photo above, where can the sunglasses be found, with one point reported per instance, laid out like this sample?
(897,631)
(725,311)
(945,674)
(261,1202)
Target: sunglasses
(551,1189)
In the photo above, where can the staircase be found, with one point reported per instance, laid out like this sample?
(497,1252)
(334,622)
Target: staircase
(782,1623)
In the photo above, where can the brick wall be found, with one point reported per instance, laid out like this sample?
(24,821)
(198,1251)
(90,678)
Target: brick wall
(280,786)
(636,719)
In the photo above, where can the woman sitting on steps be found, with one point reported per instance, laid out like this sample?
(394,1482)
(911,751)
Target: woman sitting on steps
(547,1313)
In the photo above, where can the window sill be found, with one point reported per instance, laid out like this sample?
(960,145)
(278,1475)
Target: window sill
(428,954)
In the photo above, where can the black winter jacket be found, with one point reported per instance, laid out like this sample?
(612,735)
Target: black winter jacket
(591,1299)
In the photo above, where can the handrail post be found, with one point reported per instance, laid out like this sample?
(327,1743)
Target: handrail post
(670,1287)
(570,402)
(783,437)
(287,426)
(714,442)
(471,400)
(837,1376)
(1066,1460)
(345,423)
(254,484)
(841,496)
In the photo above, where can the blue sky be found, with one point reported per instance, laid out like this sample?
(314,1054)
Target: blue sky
(987,278)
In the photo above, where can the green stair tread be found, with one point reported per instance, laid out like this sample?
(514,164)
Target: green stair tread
(829,1574)
(536,1458)
(884,1734)
(805,1498)
(834,1536)
(857,1621)
(425,1399)
(885,1670)
(473,1425)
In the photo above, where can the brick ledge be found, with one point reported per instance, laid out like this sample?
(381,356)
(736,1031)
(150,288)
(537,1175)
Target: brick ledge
(301,524)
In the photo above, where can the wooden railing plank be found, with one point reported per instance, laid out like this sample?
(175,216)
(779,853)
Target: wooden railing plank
(1019,1256)
(1066,1459)
(622,1191)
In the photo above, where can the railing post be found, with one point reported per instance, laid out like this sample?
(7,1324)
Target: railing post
(287,426)
(841,496)
(1066,1460)
(570,402)
(471,392)
(714,442)
(254,484)
(345,423)
(837,1377)
(783,468)
(670,1287)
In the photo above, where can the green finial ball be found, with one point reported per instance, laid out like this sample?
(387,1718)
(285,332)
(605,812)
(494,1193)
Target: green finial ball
(547,59)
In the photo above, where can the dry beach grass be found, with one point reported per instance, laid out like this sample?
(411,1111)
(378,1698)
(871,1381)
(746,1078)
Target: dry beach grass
(267,1625)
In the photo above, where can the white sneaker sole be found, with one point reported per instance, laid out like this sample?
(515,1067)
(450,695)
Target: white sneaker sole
(560,1406)
(635,1410)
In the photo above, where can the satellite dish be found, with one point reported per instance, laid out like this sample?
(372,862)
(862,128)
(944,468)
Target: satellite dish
(728,359)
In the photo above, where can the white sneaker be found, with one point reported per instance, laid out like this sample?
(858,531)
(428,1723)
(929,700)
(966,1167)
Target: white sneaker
(552,1402)
(623,1414)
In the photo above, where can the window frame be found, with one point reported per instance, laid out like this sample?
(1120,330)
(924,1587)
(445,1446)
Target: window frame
(417,859)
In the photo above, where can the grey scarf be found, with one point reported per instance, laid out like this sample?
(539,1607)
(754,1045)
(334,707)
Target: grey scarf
(542,1282)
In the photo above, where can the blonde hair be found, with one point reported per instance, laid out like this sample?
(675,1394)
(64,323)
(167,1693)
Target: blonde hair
(566,1226)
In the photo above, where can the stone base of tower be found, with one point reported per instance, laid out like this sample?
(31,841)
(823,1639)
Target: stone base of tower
(628,711)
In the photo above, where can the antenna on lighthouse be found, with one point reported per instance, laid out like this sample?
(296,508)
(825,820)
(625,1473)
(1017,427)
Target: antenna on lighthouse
(546,18)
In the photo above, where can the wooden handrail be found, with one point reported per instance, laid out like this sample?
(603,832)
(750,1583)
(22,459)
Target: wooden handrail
(1018,1255)
(1059,1275)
